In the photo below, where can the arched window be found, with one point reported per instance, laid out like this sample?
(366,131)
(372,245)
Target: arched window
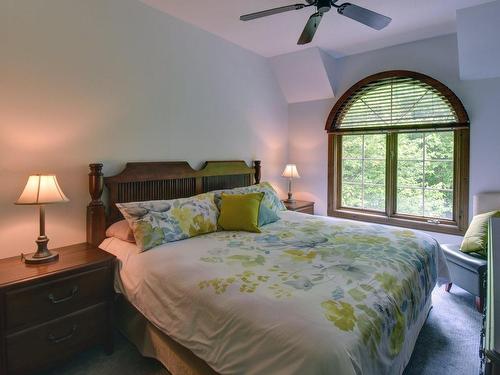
(399,153)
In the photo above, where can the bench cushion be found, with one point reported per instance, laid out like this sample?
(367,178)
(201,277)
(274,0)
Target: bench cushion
(472,262)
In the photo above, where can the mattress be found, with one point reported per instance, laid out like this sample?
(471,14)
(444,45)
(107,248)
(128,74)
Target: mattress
(308,295)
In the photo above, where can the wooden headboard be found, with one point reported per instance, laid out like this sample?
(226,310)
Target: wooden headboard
(155,181)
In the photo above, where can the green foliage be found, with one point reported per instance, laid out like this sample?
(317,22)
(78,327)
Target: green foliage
(352,146)
(438,204)
(439,146)
(352,196)
(374,172)
(424,173)
(375,198)
(363,171)
(352,171)
(374,146)
(439,174)
(410,201)
(410,173)
(410,146)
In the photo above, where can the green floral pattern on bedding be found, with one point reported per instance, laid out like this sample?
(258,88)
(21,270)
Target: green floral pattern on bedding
(158,222)
(368,280)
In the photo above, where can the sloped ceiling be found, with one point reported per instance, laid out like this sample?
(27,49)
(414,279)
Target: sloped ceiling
(478,44)
(337,35)
(303,75)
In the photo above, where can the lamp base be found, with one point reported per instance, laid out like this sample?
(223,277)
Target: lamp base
(33,259)
(43,254)
(290,199)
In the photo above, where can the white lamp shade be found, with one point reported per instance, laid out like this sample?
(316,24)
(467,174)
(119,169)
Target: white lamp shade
(42,189)
(291,171)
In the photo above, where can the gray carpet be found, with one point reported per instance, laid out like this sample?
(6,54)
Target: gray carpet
(449,341)
(448,345)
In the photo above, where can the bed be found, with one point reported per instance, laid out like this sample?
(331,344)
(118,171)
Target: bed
(308,295)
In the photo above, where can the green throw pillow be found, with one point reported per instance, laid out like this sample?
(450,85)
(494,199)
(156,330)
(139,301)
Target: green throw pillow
(266,215)
(240,212)
(476,237)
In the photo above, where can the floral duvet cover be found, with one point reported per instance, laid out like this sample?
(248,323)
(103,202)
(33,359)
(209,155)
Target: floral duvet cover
(308,295)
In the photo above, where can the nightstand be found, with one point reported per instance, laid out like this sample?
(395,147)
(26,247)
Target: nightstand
(49,312)
(300,206)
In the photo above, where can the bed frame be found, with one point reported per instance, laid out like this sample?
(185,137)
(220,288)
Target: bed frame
(156,181)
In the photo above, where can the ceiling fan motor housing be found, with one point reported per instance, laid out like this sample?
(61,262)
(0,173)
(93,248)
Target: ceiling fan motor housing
(323,6)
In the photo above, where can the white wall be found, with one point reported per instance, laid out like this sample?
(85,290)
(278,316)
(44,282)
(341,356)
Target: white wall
(308,146)
(113,81)
(437,57)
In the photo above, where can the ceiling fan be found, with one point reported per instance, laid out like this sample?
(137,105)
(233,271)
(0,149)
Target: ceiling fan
(365,16)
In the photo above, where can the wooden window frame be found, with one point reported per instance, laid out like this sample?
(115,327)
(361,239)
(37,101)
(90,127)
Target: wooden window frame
(459,222)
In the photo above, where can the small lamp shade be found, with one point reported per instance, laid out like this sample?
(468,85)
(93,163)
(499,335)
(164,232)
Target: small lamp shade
(291,171)
(42,189)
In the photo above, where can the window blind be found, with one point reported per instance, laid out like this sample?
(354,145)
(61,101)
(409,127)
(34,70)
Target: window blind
(395,103)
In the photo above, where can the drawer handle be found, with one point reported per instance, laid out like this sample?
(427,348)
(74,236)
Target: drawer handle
(57,340)
(55,301)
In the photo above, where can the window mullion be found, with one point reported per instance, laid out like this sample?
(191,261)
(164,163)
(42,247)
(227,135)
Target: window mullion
(391,174)
(363,173)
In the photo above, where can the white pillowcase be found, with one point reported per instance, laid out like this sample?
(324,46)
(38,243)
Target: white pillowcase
(122,231)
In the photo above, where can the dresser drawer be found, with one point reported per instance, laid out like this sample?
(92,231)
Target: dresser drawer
(36,348)
(42,302)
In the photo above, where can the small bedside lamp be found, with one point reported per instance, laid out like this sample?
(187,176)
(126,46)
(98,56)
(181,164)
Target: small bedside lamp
(41,190)
(290,172)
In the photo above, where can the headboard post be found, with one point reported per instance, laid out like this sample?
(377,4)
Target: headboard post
(96,215)
(257,167)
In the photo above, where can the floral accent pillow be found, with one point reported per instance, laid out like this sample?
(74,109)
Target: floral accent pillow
(270,200)
(158,222)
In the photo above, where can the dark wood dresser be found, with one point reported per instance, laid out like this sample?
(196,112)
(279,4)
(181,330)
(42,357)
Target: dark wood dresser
(489,350)
(305,207)
(51,311)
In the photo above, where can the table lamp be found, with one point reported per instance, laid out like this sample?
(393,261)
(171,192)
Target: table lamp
(41,190)
(290,172)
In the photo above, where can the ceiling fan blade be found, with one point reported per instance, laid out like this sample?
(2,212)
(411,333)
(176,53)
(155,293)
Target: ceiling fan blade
(270,12)
(365,16)
(310,29)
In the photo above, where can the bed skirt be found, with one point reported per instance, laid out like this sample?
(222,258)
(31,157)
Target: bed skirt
(153,343)
(178,360)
